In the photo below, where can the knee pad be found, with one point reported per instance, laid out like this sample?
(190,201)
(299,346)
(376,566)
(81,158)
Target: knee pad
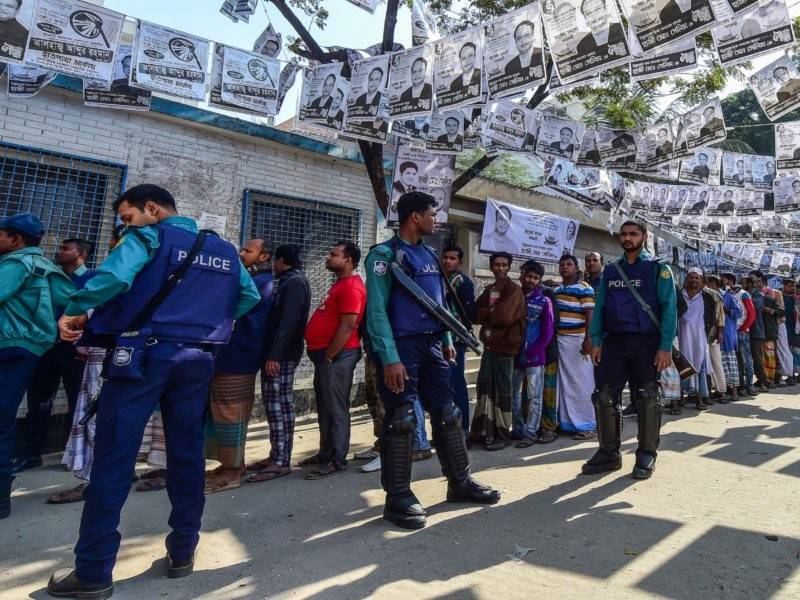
(649,393)
(403,421)
(605,397)
(451,415)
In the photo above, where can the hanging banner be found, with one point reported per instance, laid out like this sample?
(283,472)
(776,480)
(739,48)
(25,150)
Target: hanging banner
(677,199)
(787,145)
(737,170)
(75,38)
(514,52)
(559,137)
(446,134)
(618,147)
(658,23)
(121,94)
(740,229)
(415,130)
(660,198)
(585,37)
(759,32)
(702,125)
(749,203)
(422,171)
(712,228)
(781,262)
(171,61)
(763,172)
(703,167)
(286,80)
(250,80)
(472,127)
(323,99)
(787,192)
(423,24)
(269,43)
(457,68)
(526,233)
(731,251)
(15,24)
(410,89)
(667,60)
(777,87)
(368,102)
(26,81)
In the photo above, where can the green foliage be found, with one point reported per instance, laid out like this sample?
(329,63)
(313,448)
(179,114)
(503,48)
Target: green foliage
(312,8)
(518,170)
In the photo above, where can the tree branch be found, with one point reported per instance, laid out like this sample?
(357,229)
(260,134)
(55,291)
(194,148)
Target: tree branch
(304,34)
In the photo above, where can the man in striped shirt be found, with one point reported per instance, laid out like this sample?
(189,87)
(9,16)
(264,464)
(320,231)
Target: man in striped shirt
(575,302)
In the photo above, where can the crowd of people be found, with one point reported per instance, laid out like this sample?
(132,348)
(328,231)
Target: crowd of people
(159,350)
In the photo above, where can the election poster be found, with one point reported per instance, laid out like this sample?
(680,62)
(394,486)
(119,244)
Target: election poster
(457,69)
(121,94)
(773,227)
(419,170)
(269,43)
(25,81)
(75,38)
(655,147)
(526,233)
(763,172)
(667,60)
(588,185)
(414,129)
(15,24)
(787,192)
(323,99)
(749,203)
(777,87)
(781,262)
(215,97)
(697,200)
(659,198)
(737,170)
(473,125)
(787,145)
(640,193)
(658,23)
(703,125)
(589,155)
(509,124)
(761,31)
(731,251)
(703,167)
(514,52)
(171,61)
(712,228)
(722,202)
(446,134)
(751,255)
(678,195)
(794,229)
(423,24)
(368,103)
(367,5)
(559,87)
(585,36)
(618,147)
(739,229)
(559,137)
(725,9)
(410,82)
(286,79)
(250,80)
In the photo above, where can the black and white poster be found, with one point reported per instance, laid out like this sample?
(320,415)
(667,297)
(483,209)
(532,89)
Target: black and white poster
(697,200)
(751,255)
(761,31)
(731,251)
(526,233)
(368,103)
(250,80)
(457,69)
(25,81)
(511,125)
(121,94)
(641,193)
(737,170)
(777,87)
(589,155)
(787,192)
(763,172)
(725,9)
(215,97)
(618,147)
(773,227)
(414,129)
(323,100)
(740,229)
(410,82)
(472,126)
(659,198)
(658,23)
(667,60)
(703,125)
(419,170)
(269,43)
(75,38)
(446,133)
(585,36)
(703,167)
(781,262)
(749,203)
(712,228)
(423,24)
(171,61)
(514,52)
(787,145)
(15,24)
(588,185)
(678,195)
(655,147)
(722,202)
(367,5)
(559,137)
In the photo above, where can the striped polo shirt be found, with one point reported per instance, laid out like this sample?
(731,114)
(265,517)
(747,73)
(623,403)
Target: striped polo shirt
(573,301)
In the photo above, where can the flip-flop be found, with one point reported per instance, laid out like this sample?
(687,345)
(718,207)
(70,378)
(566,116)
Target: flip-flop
(212,487)
(153,474)
(268,474)
(76,494)
(311,461)
(151,485)
(584,435)
(259,466)
(546,437)
(525,443)
(327,470)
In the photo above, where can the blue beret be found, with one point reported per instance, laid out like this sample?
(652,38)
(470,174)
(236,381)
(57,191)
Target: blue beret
(27,223)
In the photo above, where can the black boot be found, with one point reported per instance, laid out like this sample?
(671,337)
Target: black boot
(179,567)
(402,508)
(649,430)
(451,449)
(609,430)
(5,496)
(72,587)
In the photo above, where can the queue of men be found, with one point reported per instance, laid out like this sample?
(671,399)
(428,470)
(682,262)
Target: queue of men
(176,322)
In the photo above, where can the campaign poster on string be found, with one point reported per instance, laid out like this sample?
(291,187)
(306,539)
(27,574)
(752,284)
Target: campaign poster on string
(761,31)
(367,5)
(740,228)
(15,26)
(171,61)
(368,103)
(75,38)
(763,172)
(667,60)
(697,200)
(457,69)
(794,227)
(751,255)
(423,24)
(731,251)
(585,36)
(215,96)
(703,125)
(712,228)
(737,170)
(509,124)
(472,126)
(787,145)
(526,233)
(781,262)
(722,202)
(640,193)
(24,81)
(773,227)
(514,52)
(618,147)
(655,147)
(589,155)
(703,167)
(659,198)
(658,23)
(414,129)
(678,195)
(269,43)
(250,81)
(416,169)
(749,203)
(588,185)
(410,82)
(787,192)
(121,94)
(777,87)
(725,9)
(559,137)
(323,99)
(446,134)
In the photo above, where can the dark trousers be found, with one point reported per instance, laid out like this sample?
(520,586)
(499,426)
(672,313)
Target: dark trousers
(60,363)
(15,373)
(177,377)
(332,384)
(757,350)
(458,382)
(628,358)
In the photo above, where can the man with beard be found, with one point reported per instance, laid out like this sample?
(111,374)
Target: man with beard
(632,335)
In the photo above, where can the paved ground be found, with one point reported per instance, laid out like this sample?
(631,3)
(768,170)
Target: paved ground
(718,520)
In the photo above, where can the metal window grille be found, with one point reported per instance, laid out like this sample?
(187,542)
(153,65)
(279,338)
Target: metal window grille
(71,195)
(311,225)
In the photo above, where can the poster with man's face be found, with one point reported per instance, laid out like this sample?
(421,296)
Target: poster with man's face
(666,60)
(268,43)
(737,170)
(763,30)
(777,87)
(446,135)
(655,147)
(787,192)
(722,202)
(410,82)
(587,185)
(457,69)
(559,137)
(421,171)
(618,147)
(120,94)
(787,146)
(703,167)
(589,155)
(702,125)
(749,203)
(658,23)
(15,23)
(763,172)
(323,99)
(510,124)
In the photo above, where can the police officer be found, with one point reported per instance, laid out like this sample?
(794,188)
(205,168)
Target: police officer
(176,369)
(412,352)
(628,346)
(31,287)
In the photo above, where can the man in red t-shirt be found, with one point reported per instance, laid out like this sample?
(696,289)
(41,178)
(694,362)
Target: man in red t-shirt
(334,346)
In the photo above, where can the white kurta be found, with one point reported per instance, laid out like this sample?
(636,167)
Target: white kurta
(692,333)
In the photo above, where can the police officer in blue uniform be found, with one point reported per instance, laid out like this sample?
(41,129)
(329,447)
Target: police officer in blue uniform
(176,362)
(628,346)
(412,352)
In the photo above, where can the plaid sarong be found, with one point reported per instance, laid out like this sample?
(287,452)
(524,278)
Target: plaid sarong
(730,366)
(277,394)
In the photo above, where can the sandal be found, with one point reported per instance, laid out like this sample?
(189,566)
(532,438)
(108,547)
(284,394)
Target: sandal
(260,465)
(153,474)
(311,461)
(269,473)
(76,494)
(585,435)
(496,445)
(526,443)
(546,437)
(220,485)
(329,469)
(155,484)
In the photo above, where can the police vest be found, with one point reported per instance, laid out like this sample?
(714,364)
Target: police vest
(200,309)
(406,314)
(622,313)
